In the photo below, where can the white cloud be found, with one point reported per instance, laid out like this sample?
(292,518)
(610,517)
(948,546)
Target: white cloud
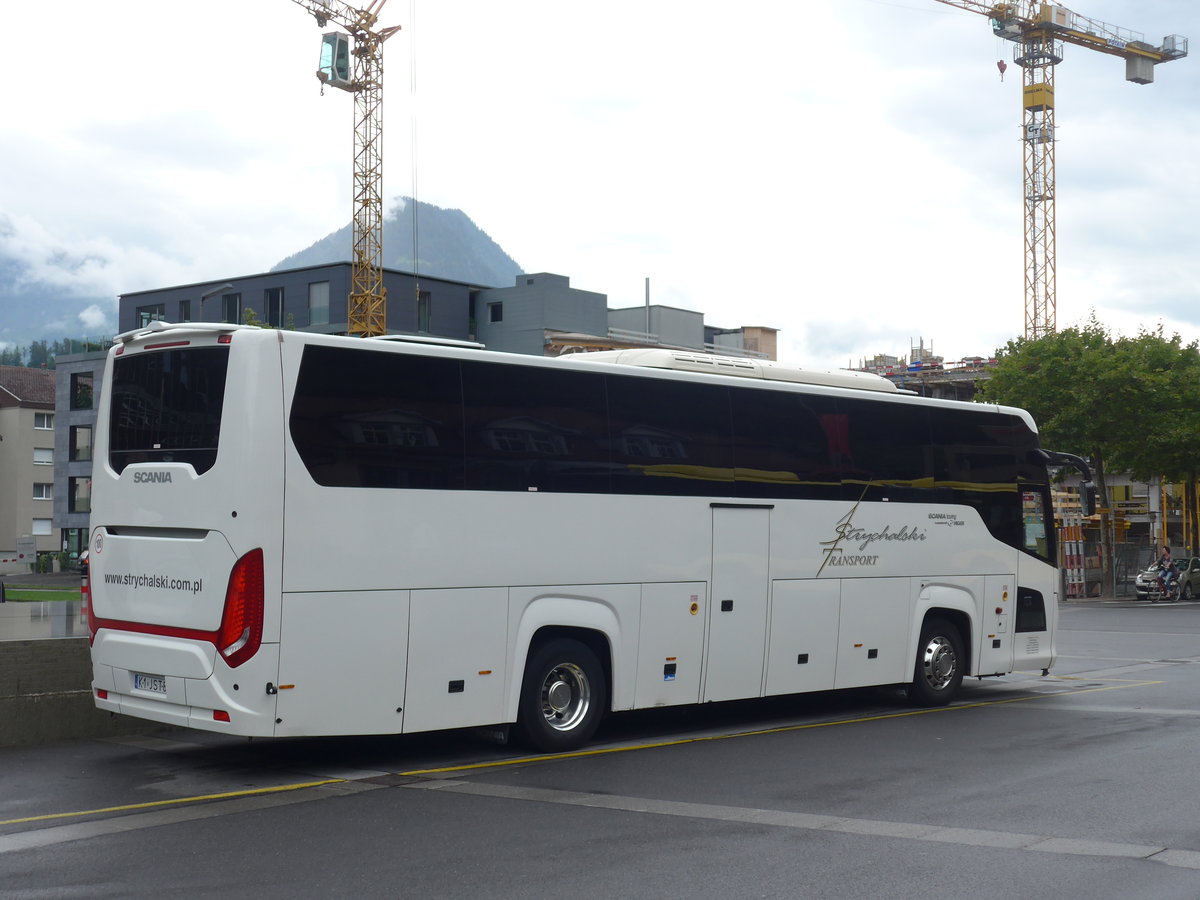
(95,320)
(845,170)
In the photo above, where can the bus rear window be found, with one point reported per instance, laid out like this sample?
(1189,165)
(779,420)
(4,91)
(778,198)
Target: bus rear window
(166,407)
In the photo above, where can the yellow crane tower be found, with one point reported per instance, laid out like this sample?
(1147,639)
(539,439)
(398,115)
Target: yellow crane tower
(1039,31)
(366,307)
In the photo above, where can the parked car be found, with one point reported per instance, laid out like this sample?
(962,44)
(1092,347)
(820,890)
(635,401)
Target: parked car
(1189,579)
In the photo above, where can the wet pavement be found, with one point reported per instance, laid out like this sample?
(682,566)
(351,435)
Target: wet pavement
(23,621)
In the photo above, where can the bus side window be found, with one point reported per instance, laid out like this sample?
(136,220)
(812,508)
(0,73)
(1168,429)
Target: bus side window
(378,419)
(670,437)
(890,450)
(533,428)
(784,446)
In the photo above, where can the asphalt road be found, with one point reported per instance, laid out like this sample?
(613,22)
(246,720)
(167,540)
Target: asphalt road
(1083,784)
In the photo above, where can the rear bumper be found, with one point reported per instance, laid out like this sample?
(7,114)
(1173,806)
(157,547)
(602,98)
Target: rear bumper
(191,699)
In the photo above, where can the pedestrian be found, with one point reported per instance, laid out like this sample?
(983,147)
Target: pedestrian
(1167,570)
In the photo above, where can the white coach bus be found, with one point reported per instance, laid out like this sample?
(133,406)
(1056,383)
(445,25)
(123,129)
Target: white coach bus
(297,534)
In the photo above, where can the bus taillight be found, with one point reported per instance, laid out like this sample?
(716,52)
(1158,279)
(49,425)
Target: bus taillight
(240,633)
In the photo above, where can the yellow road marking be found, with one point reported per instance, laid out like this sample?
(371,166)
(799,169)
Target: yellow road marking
(228,795)
(578,754)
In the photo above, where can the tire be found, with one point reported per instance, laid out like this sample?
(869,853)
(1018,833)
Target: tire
(938,672)
(563,696)
(1185,592)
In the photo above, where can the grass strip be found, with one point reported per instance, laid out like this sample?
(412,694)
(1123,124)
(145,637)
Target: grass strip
(37,595)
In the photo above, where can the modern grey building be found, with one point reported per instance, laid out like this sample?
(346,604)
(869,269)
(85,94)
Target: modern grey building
(307,299)
(77,396)
(515,319)
(540,314)
(543,315)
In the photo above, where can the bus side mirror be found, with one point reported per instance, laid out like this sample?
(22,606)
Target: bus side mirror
(1087,498)
(1087,489)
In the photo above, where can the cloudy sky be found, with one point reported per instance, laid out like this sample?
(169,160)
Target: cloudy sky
(848,171)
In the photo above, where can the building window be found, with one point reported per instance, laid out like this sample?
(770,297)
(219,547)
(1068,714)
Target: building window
(231,307)
(43,456)
(43,421)
(185,310)
(81,442)
(43,491)
(79,495)
(41,527)
(273,301)
(148,314)
(495,312)
(424,308)
(318,303)
(81,390)
(76,540)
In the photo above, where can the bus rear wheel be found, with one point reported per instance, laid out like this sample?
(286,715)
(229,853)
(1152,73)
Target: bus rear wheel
(939,665)
(563,696)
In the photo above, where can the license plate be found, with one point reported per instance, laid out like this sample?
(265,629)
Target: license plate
(155,684)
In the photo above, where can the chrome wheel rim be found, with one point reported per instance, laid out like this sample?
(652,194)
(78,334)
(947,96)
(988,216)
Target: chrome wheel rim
(939,662)
(566,697)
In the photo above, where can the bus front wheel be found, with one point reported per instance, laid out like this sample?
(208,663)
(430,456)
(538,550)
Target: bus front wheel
(562,696)
(939,665)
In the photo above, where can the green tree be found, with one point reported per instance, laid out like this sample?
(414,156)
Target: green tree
(1123,402)
(39,355)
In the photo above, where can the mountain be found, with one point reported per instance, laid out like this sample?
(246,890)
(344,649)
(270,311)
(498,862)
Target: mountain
(449,245)
(52,289)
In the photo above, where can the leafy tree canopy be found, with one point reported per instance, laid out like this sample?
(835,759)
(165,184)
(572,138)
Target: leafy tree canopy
(1126,402)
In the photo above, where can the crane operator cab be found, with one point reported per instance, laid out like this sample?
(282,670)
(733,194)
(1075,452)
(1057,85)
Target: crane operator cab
(335,60)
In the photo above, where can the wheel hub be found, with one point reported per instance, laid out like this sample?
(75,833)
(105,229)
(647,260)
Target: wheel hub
(559,697)
(566,697)
(940,662)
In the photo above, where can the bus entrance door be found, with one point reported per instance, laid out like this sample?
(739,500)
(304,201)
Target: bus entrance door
(737,611)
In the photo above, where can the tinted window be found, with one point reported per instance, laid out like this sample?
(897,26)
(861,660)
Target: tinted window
(374,418)
(1031,610)
(788,445)
(530,428)
(976,448)
(378,419)
(889,451)
(983,459)
(670,437)
(166,407)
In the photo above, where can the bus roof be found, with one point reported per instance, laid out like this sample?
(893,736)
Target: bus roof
(743,367)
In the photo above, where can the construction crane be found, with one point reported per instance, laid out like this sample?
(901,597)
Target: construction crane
(1039,31)
(367,303)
